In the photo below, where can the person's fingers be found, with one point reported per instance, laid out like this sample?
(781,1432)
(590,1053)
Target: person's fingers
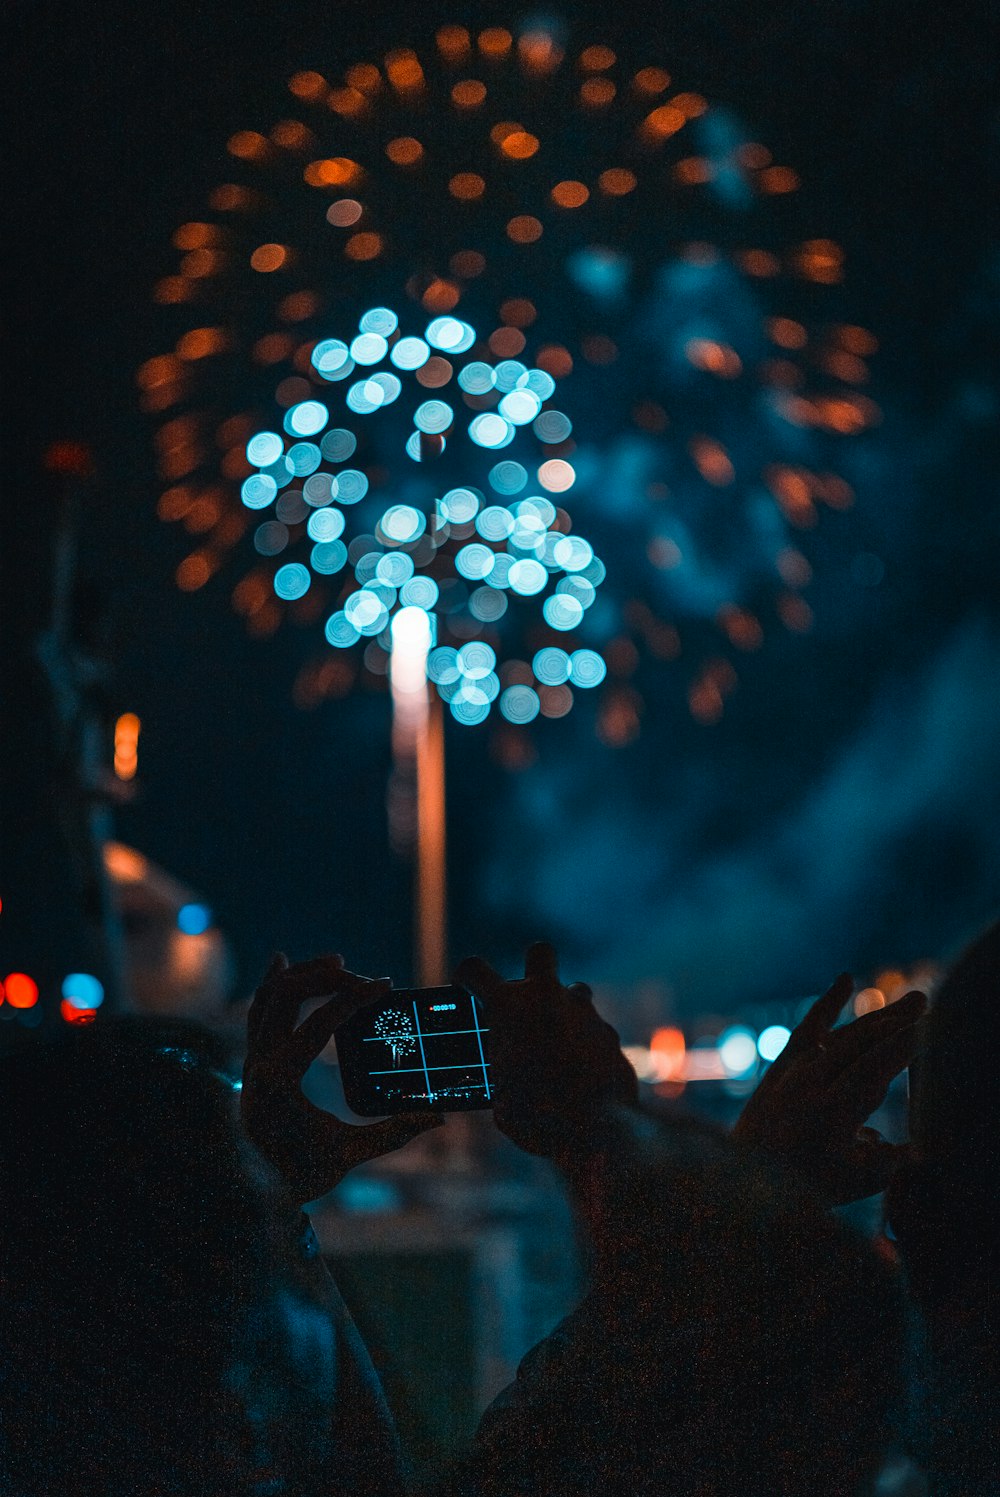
(823,1014)
(846,1045)
(479,978)
(360,1144)
(878,1160)
(860,1088)
(541,962)
(316,1030)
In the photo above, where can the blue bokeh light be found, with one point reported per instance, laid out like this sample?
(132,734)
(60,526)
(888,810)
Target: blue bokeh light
(194,919)
(292,581)
(83,990)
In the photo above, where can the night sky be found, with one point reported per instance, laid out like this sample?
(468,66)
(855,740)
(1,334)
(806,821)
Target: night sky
(845,809)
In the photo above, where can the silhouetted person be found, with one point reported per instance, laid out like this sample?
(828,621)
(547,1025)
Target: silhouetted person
(944,1213)
(162,1328)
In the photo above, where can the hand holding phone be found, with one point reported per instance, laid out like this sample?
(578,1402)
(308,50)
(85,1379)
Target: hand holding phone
(416,1050)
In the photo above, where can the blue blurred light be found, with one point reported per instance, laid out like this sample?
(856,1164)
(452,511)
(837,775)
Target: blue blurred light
(340,631)
(325,525)
(328,557)
(772,1041)
(369,348)
(390,386)
(528,577)
(352,485)
(476,378)
(578,588)
(84,990)
(470,713)
(419,592)
(379,320)
(329,356)
(401,524)
(537,507)
(258,491)
(519,704)
(487,604)
(499,573)
(595,572)
(495,523)
(475,561)
(280,470)
(573,553)
(271,538)
(562,611)
(490,430)
(459,505)
(320,489)
(552,427)
(551,666)
(410,353)
(394,569)
(520,407)
(508,477)
(476,659)
(194,919)
(292,581)
(586,668)
(303,458)
(442,666)
(365,396)
(507,373)
(433,417)
(540,383)
(362,608)
(738,1050)
(306,418)
(265,448)
(446,333)
(337,445)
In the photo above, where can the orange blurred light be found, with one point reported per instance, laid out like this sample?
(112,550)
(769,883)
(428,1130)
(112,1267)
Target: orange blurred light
(333,171)
(868,1000)
(556,475)
(292,135)
(519,145)
(596,59)
(363,247)
(856,340)
(506,342)
(440,296)
(663,121)
(468,263)
(786,333)
(555,360)
(617,181)
(268,257)
(435,373)
(72,459)
(201,341)
(524,229)
(742,628)
(228,197)
(503,128)
(518,311)
(404,150)
(712,461)
(298,306)
(795,613)
(74,1015)
(20,990)
(539,52)
(192,236)
(247,145)
(172,289)
(758,262)
(193,572)
(453,42)
(690,105)
(753,155)
(570,194)
(651,80)
(777,179)
(715,358)
(597,91)
(495,41)
(404,71)
(467,186)
(650,416)
(308,85)
(793,568)
(693,170)
(667,1050)
(364,76)
(347,102)
(469,93)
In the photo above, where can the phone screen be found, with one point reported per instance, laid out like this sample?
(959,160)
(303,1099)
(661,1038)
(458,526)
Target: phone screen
(416,1050)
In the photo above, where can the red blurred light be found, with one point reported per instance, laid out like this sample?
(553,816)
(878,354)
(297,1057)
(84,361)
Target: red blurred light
(74,1015)
(21,990)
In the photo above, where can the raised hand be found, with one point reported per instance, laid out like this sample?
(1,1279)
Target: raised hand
(811,1105)
(553,1059)
(311,1149)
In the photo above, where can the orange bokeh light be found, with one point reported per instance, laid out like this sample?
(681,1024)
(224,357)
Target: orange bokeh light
(519,145)
(597,91)
(20,990)
(617,181)
(469,93)
(468,263)
(523,229)
(308,85)
(268,257)
(518,311)
(467,186)
(363,247)
(405,150)
(596,59)
(651,80)
(344,212)
(570,194)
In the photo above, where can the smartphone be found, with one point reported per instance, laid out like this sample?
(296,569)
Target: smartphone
(415,1050)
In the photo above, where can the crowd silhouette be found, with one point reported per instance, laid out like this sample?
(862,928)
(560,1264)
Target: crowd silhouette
(168,1327)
